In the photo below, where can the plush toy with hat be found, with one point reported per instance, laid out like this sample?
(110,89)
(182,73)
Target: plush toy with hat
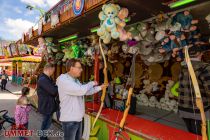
(109,22)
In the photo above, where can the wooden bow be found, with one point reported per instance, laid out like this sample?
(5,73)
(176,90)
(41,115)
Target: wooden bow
(199,102)
(105,82)
(128,101)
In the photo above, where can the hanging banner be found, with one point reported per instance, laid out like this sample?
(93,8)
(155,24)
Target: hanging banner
(78,6)
(54,20)
(40,24)
(30,32)
(9,51)
(1,51)
(23,50)
(23,37)
(14,49)
(5,51)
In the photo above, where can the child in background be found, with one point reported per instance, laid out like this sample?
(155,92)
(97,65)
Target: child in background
(22,111)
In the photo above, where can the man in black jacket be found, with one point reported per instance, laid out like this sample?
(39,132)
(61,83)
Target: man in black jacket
(47,92)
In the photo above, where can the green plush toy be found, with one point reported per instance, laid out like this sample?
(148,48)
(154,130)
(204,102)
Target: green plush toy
(68,53)
(174,89)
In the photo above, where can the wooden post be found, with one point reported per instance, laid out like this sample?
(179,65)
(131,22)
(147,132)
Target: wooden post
(19,72)
(14,71)
(96,72)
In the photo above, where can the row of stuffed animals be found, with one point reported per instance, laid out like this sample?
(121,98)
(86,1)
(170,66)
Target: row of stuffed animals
(82,49)
(157,40)
(166,103)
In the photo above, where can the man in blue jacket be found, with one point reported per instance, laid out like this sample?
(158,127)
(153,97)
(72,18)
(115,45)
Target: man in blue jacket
(47,92)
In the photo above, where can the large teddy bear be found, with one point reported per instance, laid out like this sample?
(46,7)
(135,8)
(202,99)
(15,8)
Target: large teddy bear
(109,22)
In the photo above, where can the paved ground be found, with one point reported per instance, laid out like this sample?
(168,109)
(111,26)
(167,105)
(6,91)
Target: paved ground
(13,88)
(8,102)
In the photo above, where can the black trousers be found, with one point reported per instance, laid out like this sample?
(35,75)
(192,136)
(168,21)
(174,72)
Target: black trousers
(193,126)
(3,84)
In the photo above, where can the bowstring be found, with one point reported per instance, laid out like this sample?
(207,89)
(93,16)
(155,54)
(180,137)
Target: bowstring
(118,114)
(127,83)
(192,98)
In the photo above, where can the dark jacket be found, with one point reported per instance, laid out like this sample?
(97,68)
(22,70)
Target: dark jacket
(47,92)
(186,89)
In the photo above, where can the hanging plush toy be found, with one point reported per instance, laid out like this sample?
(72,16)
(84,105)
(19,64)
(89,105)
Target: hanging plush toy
(185,19)
(67,53)
(109,22)
(41,47)
(208,20)
(123,14)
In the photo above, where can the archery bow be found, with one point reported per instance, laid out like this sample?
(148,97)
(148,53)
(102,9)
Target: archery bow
(105,82)
(199,102)
(128,101)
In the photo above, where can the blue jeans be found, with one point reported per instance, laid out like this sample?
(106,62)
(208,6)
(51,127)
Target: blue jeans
(72,130)
(25,127)
(46,123)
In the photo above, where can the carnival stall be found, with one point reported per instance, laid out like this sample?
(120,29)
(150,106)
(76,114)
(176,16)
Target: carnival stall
(142,45)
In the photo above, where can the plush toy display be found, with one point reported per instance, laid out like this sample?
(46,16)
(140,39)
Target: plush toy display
(168,88)
(58,58)
(109,22)
(113,53)
(41,46)
(185,19)
(51,48)
(142,99)
(147,88)
(67,53)
(208,19)
(153,101)
(174,89)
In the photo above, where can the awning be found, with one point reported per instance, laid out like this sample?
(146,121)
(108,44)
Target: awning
(5,64)
(24,59)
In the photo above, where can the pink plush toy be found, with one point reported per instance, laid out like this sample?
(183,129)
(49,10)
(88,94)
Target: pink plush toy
(123,14)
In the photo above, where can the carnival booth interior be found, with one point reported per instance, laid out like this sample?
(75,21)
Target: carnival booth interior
(144,59)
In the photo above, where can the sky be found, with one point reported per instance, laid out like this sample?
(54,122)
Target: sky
(16,19)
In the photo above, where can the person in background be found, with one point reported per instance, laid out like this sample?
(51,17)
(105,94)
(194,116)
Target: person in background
(187,108)
(108,98)
(22,111)
(47,92)
(4,78)
(72,103)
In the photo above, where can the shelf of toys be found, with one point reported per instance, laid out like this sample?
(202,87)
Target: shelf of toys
(158,46)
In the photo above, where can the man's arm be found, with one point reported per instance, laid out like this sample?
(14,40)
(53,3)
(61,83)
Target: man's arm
(48,86)
(93,90)
(73,88)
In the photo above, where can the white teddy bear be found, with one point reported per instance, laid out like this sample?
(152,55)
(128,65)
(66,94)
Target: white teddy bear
(152,101)
(142,99)
(110,20)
